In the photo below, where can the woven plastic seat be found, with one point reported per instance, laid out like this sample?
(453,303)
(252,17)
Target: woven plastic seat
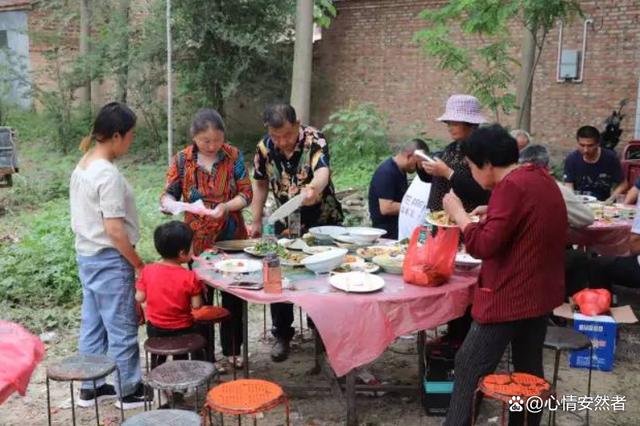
(246,397)
(178,345)
(506,387)
(164,418)
(210,313)
(80,368)
(180,375)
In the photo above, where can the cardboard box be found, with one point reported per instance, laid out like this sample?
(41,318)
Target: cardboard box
(601,330)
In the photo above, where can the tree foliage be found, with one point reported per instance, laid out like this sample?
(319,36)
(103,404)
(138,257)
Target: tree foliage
(488,69)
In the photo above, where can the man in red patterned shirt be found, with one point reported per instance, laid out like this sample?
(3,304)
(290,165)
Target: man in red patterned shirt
(521,244)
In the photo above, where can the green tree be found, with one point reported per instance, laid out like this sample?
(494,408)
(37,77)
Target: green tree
(488,68)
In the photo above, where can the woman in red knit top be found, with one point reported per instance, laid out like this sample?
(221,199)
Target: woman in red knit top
(521,244)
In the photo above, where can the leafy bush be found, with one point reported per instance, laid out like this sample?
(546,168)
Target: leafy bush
(358,142)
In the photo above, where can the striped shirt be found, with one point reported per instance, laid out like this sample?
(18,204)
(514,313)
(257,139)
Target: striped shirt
(521,243)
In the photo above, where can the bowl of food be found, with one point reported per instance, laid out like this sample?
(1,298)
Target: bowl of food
(325,262)
(317,249)
(368,253)
(390,264)
(325,234)
(365,235)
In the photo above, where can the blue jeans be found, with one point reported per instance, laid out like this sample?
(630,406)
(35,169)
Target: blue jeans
(109,321)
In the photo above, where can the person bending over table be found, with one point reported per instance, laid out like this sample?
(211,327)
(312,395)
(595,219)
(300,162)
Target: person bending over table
(593,170)
(292,159)
(522,274)
(389,184)
(213,171)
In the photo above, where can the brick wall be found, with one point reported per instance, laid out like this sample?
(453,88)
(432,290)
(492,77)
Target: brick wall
(368,55)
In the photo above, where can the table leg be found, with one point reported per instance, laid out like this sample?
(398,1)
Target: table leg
(48,403)
(352,415)
(73,404)
(245,335)
(422,338)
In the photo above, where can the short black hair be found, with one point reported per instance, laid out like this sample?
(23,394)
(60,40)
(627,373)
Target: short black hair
(277,114)
(113,118)
(491,144)
(171,238)
(416,143)
(588,132)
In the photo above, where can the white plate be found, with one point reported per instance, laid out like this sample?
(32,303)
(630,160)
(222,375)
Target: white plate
(586,199)
(431,220)
(466,260)
(357,282)
(368,267)
(238,266)
(317,249)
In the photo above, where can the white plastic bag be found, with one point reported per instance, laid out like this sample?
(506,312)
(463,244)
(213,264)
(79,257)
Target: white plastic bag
(413,208)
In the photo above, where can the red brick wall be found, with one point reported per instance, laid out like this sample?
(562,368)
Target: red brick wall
(368,55)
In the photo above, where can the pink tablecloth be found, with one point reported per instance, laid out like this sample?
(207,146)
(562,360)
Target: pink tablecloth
(607,239)
(357,328)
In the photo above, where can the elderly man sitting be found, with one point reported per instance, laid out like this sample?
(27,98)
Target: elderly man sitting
(522,137)
(579,214)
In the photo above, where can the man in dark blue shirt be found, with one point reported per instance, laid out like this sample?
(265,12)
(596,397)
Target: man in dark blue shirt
(593,170)
(388,185)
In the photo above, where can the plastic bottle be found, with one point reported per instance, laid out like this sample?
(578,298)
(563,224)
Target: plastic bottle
(268,229)
(272,274)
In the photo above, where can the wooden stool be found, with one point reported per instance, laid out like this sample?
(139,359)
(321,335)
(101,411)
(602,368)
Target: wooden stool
(81,368)
(178,375)
(164,418)
(246,397)
(504,387)
(187,344)
(210,316)
(566,339)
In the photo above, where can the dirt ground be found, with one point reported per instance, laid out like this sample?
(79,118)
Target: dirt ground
(398,365)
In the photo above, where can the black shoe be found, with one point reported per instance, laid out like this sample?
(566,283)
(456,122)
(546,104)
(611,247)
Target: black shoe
(136,399)
(280,350)
(88,397)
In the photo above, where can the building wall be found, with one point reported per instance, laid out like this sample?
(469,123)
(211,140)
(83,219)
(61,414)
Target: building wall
(15,24)
(368,55)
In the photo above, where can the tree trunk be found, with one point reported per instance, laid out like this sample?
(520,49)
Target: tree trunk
(302,57)
(85,25)
(123,71)
(525,85)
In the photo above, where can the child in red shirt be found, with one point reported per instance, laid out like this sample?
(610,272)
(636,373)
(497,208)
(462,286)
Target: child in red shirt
(169,290)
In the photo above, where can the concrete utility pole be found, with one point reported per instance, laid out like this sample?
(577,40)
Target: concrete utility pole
(525,81)
(302,57)
(85,25)
(169,87)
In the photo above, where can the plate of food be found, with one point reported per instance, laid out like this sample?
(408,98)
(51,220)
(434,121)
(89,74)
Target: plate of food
(442,220)
(357,282)
(292,259)
(368,253)
(235,245)
(317,249)
(296,244)
(264,247)
(238,266)
(368,267)
(390,264)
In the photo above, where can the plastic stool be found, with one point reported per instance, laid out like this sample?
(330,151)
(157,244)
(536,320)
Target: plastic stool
(186,344)
(164,418)
(503,387)
(246,397)
(81,368)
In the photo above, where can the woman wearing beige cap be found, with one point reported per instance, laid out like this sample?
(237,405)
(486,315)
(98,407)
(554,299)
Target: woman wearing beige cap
(450,170)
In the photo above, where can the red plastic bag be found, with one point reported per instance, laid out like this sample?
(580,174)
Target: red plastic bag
(430,260)
(20,352)
(593,301)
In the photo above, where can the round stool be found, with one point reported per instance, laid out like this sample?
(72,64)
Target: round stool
(186,344)
(178,375)
(246,397)
(209,316)
(504,387)
(81,368)
(164,418)
(566,339)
